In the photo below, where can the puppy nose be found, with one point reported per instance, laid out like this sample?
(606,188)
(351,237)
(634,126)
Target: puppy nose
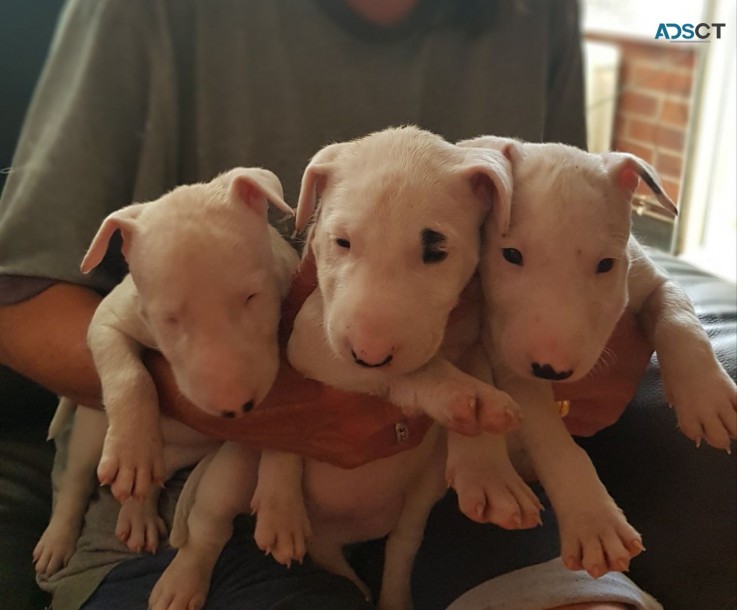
(372,365)
(545,371)
(248,406)
(228,414)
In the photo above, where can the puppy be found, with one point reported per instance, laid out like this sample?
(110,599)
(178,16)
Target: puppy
(395,240)
(207,274)
(555,283)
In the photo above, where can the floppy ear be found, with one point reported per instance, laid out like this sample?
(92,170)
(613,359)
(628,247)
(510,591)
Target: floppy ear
(509,147)
(490,174)
(123,220)
(257,188)
(625,170)
(314,179)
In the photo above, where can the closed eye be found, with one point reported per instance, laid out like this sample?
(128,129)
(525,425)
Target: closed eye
(433,246)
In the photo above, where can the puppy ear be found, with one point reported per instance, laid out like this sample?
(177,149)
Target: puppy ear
(509,147)
(490,174)
(257,188)
(314,179)
(123,220)
(625,171)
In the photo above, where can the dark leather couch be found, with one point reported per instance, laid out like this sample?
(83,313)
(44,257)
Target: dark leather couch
(684,500)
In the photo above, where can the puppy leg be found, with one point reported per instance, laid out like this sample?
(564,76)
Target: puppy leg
(328,554)
(595,534)
(78,481)
(132,457)
(282,525)
(695,383)
(224,491)
(456,400)
(139,524)
(488,487)
(406,537)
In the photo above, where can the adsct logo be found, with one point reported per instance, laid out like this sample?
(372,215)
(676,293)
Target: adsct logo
(688,32)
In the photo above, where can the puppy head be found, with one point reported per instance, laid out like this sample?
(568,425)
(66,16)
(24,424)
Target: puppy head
(201,259)
(396,238)
(555,281)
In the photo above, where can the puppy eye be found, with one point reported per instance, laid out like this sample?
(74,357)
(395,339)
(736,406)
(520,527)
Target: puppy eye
(434,256)
(249,298)
(433,244)
(605,265)
(512,255)
(172,320)
(343,243)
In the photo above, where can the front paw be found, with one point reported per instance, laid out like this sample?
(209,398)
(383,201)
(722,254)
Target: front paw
(493,492)
(55,547)
(132,461)
(598,538)
(467,406)
(706,406)
(282,527)
(139,525)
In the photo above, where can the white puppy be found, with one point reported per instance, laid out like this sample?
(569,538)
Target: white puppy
(555,283)
(396,239)
(207,275)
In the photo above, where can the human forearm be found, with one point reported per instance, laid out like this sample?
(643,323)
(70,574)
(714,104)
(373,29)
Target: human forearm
(45,339)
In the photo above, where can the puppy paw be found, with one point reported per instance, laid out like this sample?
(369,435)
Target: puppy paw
(183,585)
(466,405)
(597,538)
(493,492)
(282,526)
(139,525)
(132,461)
(55,547)
(706,406)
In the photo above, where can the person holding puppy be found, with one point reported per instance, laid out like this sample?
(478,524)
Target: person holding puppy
(140,96)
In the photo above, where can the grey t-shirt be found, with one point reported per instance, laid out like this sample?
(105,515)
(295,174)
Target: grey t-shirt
(141,95)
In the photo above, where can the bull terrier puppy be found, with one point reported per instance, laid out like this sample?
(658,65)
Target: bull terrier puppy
(207,275)
(555,283)
(396,239)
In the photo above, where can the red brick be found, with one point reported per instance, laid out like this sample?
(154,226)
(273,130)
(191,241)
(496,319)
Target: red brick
(638,129)
(670,137)
(647,78)
(670,165)
(637,103)
(645,153)
(675,113)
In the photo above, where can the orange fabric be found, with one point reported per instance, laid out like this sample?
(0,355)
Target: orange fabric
(349,429)
(302,415)
(600,399)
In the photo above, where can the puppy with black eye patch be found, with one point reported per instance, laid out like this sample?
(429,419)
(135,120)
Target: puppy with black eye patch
(396,239)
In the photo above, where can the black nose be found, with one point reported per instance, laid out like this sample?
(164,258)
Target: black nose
(248,406)
(360,362)
(545,371)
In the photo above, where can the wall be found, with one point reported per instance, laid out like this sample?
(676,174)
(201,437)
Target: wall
(653,106)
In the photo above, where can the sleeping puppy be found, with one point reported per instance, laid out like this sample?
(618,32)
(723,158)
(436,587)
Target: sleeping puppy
(207,275)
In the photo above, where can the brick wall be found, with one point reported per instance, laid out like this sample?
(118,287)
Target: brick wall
(653,106)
